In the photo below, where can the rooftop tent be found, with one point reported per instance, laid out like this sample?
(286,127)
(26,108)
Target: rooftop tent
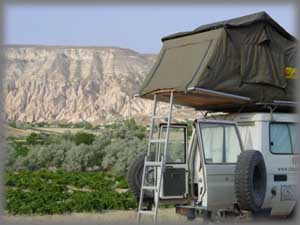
(250,59)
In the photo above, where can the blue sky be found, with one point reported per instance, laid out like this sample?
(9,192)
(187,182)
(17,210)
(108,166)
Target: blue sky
(138,27)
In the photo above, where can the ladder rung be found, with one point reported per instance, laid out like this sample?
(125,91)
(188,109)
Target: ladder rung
(153,188)
(147,212)
(150,163)
(160,117)
(158,140)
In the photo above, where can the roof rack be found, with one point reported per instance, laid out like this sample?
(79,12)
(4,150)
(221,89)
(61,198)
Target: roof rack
(203,99)
(275,106)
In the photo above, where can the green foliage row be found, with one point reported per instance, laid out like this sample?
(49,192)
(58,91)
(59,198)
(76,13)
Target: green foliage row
(130,123)
(27,125)
(45,138)
(45,192)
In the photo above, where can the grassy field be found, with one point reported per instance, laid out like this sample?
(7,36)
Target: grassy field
(15,132)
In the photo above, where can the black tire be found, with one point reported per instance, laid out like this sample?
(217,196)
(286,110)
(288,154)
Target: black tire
(134,178)
(250,180)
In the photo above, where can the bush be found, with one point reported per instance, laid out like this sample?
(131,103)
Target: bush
(83,138)
(82,157)
(129,129)
(119,154)
(11,155)
(41,124)
(33,138)
(83,124)
(15,151)
(12,124)
(44,156)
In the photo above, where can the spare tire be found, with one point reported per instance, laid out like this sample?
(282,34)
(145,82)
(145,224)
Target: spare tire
(250,180)
(134,178)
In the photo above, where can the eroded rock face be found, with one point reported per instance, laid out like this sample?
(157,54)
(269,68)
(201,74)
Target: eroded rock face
(74,84)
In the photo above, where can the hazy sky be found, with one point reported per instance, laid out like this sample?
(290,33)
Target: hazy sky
(136,27)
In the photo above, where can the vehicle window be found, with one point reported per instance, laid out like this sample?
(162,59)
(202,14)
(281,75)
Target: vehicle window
(232,144)
(247,133)
(212,136)
(176,152)
(283,138)
(220,143)
(293,131)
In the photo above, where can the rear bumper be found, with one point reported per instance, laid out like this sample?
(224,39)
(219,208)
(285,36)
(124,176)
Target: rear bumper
(191,212)
(188,212)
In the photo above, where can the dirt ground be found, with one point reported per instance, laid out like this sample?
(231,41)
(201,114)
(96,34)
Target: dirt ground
(166,216)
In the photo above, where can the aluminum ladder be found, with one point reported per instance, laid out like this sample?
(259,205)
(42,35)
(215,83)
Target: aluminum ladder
(159,162)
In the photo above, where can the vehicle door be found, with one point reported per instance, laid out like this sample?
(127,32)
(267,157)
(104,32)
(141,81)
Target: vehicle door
(282,160)
(175,176)
(219,144)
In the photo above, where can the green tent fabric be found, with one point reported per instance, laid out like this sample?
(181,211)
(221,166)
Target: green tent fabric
(250,56)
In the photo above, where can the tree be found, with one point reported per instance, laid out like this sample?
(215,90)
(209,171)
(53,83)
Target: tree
(119,154)
(33,138)
(84,138)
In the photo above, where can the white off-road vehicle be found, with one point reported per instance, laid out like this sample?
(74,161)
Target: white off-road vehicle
(234,163)
(245,160)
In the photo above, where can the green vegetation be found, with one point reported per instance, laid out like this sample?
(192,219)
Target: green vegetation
(111,150)
(55,173)
(26,125)
(35,138)
(45,192)
(84,138)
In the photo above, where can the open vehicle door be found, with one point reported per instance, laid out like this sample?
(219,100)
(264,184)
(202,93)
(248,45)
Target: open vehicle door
(175,177)
(219,146)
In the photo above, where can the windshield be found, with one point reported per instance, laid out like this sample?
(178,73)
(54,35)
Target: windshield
(220,142)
